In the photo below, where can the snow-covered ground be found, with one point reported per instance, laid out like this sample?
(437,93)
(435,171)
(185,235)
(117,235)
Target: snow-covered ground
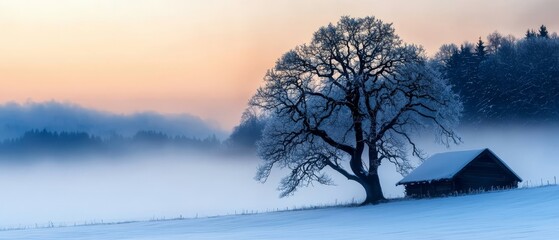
(531,213)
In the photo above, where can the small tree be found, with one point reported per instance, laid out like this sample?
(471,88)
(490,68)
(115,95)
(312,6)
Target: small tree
(543,32)
(530,33)
(355,93)
(480,50)
(494,42)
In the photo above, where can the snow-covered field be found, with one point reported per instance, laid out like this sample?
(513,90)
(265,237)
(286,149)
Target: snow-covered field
(531,213)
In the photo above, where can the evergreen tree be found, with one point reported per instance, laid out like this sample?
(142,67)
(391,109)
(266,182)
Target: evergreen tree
(480,50)
(543,32)
(530,33)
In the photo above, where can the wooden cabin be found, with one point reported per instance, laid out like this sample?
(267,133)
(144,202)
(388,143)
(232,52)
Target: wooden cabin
(459,172)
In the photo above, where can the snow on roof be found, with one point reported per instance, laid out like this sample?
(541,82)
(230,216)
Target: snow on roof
(441,166)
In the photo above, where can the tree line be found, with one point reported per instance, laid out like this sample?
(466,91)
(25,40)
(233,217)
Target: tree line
(505,79)
(41,142)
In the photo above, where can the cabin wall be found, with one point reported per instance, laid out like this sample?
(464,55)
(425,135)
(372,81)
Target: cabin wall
(484,173)
(430,189)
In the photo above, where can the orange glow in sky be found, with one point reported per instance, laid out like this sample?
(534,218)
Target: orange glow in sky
(207,57)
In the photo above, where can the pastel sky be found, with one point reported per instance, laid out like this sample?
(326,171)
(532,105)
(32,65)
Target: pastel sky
(205,57)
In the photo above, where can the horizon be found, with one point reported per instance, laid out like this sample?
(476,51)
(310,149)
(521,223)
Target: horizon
(205,58)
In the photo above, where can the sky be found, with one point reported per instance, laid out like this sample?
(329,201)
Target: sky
(205,58)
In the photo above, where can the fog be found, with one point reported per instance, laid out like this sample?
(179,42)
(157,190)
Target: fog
(143,187)
(169,184)
(17,118)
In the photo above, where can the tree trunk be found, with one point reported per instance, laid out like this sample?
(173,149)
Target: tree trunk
(372,188)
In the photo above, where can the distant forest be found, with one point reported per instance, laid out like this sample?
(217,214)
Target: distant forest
(505,79)
(44,142)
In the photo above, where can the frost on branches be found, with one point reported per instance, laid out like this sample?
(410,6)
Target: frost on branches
(355,87)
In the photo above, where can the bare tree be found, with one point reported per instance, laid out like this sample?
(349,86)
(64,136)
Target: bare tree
(356,93)
(445,52)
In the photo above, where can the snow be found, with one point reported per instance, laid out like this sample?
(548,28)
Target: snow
(441,166)
(531,213)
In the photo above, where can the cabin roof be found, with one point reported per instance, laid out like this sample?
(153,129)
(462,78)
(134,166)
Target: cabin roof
(444,166)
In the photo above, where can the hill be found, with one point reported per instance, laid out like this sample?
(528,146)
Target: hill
(531,213)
